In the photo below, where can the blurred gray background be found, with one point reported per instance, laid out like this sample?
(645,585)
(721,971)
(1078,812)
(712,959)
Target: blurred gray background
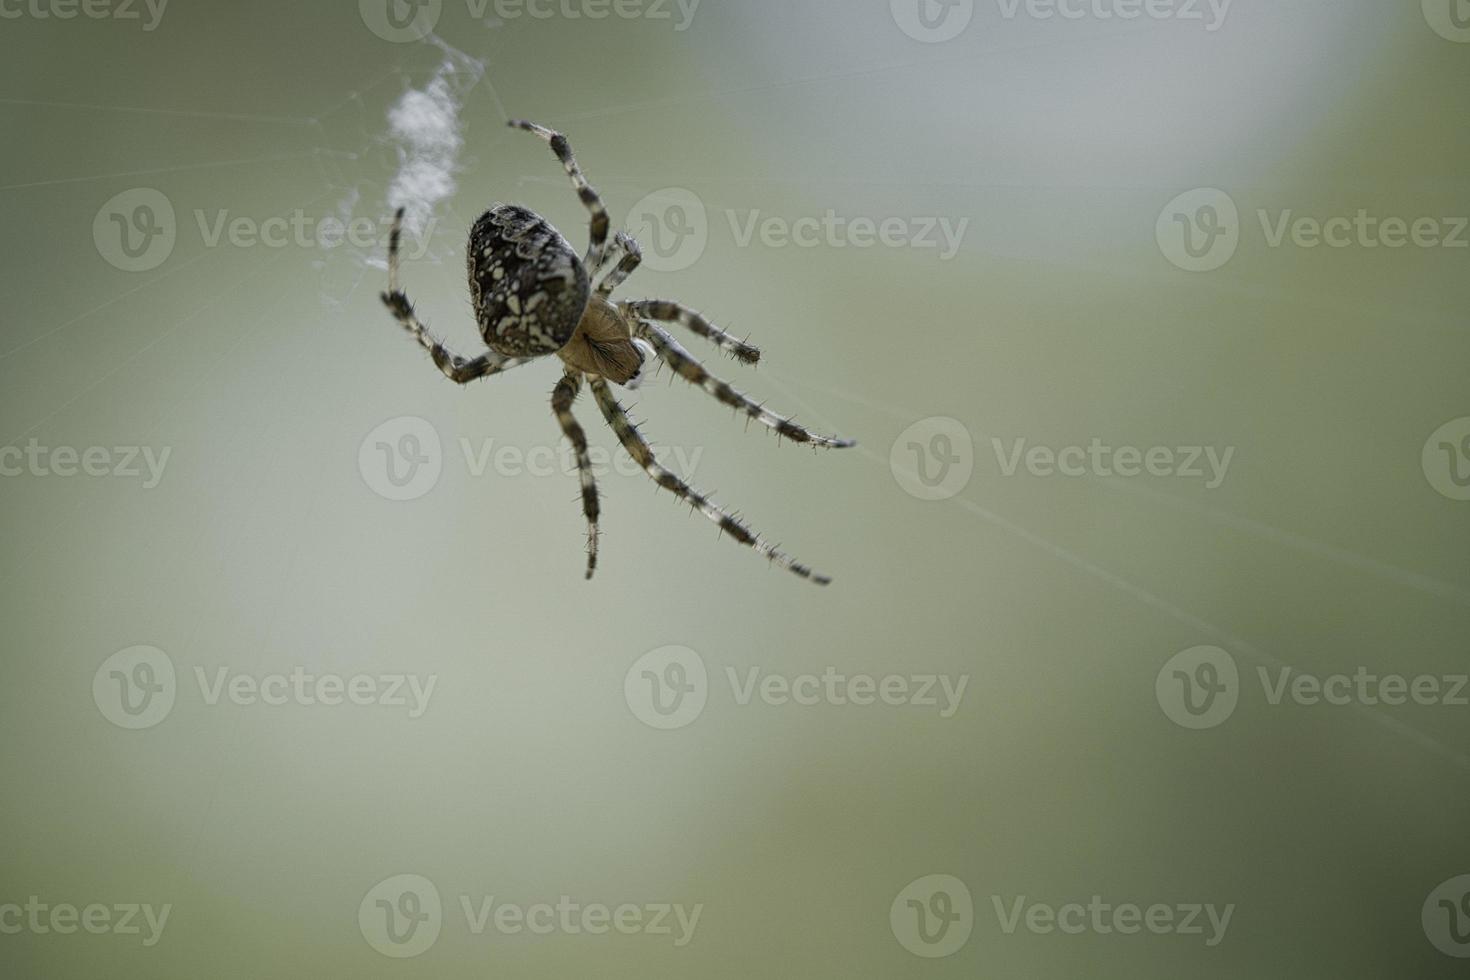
(1129,267)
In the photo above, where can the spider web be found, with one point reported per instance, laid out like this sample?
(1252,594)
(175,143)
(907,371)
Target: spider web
(409,158)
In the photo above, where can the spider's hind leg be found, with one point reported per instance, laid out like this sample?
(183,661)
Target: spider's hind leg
(639,449)
(688,368)
(597,233)
(562,397)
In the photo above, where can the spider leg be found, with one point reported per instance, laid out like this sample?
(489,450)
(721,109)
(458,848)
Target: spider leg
(597,234)
(691,370)
(458,369)
(632,257)
(639,449)
(668,311)
(562,397)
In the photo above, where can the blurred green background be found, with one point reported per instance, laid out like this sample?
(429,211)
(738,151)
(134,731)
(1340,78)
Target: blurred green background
(541,765)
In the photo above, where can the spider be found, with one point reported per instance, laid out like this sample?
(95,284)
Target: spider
(532,296)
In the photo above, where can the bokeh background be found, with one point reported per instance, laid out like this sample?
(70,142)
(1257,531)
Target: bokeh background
(540,767)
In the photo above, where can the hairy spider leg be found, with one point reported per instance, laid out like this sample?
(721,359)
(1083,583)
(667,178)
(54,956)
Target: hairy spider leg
(639,449)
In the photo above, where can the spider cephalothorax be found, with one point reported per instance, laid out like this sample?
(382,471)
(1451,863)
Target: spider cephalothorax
(533,296)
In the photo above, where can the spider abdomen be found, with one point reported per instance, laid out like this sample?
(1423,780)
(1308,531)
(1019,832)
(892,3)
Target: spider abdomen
(528,286)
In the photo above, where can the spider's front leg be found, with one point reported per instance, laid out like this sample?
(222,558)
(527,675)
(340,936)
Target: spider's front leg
(597,231)
(461,370)
(562,397)
(667,311)
(688,368)
(640,450)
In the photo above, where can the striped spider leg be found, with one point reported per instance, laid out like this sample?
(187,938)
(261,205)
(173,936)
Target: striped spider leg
(638,448)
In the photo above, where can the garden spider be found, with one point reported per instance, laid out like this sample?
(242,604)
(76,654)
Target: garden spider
(532,296)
